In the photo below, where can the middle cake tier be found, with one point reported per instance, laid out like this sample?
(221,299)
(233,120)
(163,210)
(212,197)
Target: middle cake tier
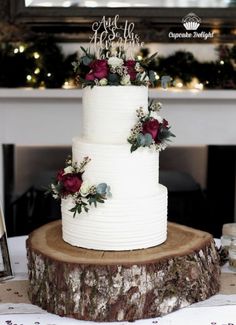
(130,175)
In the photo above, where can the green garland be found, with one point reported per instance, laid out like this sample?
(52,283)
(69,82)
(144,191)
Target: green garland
(42,64)
(34,64)
(219,74)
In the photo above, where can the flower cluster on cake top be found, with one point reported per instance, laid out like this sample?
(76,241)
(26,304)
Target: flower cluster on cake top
(69,183)
(151,130)
(114,71)
(111,59)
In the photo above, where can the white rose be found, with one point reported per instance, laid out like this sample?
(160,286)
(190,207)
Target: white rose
(68,170)
(115,62)
(125,80)
(157,117)
(84,189)
(103,82)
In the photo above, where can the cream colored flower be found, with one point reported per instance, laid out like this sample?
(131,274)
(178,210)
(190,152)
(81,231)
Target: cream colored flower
(125,80)
(103,82)
(115,62)
(68,170)
(157,117)
(84,189)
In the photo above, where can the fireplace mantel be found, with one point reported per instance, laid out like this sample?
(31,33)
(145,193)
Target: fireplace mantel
(29,93)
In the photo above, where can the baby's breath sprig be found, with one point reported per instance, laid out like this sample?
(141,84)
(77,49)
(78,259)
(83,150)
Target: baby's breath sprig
(83,164)
(151,130)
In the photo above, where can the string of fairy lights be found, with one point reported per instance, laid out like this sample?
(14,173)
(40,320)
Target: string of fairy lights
(31,78)
(39,64)
(42,64)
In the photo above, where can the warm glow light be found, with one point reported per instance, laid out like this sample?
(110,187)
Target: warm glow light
(16,50)
(140,5)
(49,74)
(29,77)
(179,84)
(115,4)
(44,4)
(199,86)
(222,62)
(139,57)
(90,3)
(21,48)
(157,77)
(66,4)
(66,85)
(36,55)
(37,71)
(215,31)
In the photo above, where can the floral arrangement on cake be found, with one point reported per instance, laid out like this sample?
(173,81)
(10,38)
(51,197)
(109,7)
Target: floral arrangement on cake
(114,71)
(151,130)
(69,184)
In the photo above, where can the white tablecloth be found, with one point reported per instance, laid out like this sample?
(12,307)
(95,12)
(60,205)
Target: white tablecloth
(218,310)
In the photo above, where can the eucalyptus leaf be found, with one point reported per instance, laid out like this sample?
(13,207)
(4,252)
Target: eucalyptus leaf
(141,140)
(152,76)
(148,139)
(113,79)
(86,60)
(101,188)
(109,191)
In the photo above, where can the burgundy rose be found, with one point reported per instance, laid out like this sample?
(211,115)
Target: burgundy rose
(72,183)
(90,76)
(60,174)
(152,127)
(130,64)
(99,70)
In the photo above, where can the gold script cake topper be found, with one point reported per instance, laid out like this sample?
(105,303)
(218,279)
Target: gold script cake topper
(111,38)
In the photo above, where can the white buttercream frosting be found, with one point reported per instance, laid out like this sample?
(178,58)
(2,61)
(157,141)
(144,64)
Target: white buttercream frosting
(129,175)
(136,215)
(122,224)
(109,112)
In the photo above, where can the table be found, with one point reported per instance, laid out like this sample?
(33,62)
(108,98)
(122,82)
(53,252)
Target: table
(218,310)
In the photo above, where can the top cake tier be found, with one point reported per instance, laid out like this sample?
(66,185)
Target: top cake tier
(109,113)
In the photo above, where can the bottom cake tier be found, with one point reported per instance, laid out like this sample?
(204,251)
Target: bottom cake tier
(119,286)
(123,224)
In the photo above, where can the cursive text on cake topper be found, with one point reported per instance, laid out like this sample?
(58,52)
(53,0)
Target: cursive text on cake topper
(113,39)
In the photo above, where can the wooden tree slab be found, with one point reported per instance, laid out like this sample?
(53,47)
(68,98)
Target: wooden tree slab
(129,285)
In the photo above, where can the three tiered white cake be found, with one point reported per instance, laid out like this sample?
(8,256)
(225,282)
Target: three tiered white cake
(135,217)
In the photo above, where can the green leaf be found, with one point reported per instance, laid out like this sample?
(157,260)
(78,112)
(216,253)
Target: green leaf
(134,147)
(113,79)
(148,139)
(140,140)
(86,60)
(92,200)
(152,76)
(100,200)
(101,188)
(85,208)
(83,49)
